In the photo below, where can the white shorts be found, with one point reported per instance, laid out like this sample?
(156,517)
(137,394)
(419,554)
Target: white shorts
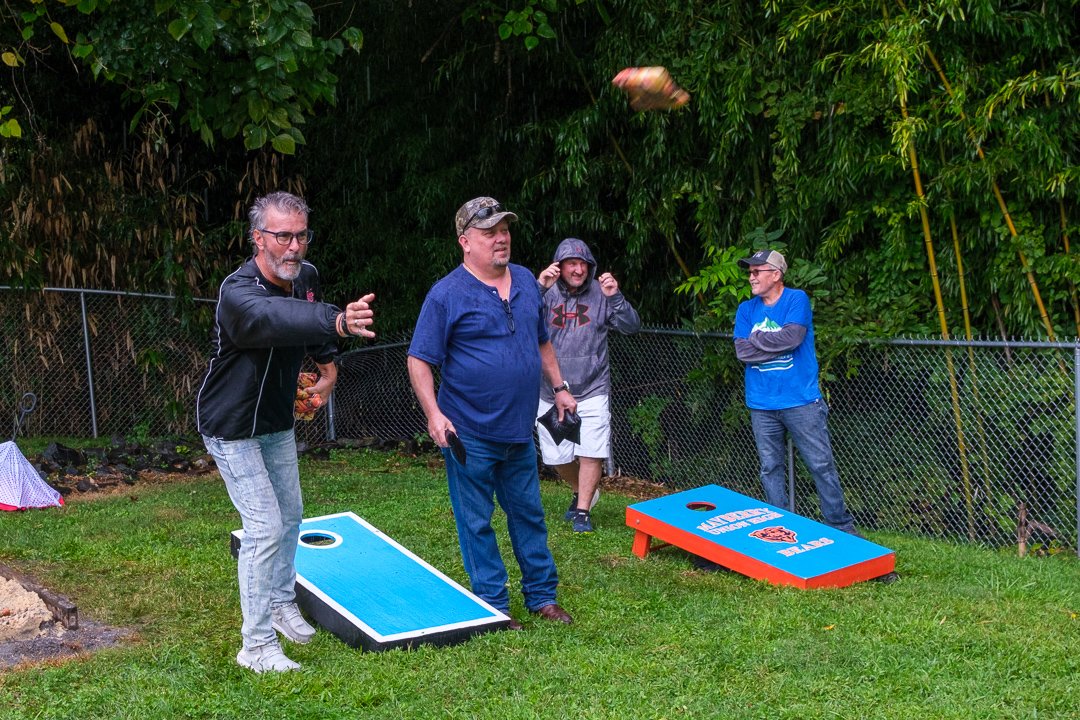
(595,433)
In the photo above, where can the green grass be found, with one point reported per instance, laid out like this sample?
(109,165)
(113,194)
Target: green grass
(967,633)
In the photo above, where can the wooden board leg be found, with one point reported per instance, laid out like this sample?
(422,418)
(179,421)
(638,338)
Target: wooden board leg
(642,541)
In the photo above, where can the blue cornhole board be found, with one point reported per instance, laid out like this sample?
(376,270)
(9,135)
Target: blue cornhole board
(757,539)
(372,593)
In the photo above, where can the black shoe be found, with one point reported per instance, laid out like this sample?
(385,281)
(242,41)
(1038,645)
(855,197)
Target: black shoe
(888,578)
(582,522)
(570,511)
(705,565)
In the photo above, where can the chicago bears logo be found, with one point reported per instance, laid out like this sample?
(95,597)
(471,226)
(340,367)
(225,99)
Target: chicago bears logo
(559,316)
(776,533)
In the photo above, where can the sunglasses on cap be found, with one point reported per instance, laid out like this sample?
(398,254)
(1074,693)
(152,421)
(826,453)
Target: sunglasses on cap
(482,214)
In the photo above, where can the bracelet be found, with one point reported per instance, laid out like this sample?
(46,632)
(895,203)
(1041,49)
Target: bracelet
(342,330)
(348,332)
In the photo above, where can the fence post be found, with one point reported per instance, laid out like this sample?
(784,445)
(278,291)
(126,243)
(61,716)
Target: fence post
(89,364)
(1076,432)
(790,474)
(331,434)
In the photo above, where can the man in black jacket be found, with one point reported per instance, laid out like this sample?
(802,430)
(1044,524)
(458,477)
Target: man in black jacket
(269,317)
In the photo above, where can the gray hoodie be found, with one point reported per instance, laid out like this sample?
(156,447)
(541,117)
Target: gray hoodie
(578,324)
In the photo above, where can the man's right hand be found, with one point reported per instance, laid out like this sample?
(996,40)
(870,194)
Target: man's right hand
(437,428)
(549,275)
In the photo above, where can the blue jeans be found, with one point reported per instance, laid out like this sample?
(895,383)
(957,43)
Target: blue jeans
(809,430)
(507,471)
(263,480)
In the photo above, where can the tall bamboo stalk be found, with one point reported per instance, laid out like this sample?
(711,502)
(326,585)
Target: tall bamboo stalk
(997,196)
(1072,285)
(954,389)
(980,426)
(1043,315)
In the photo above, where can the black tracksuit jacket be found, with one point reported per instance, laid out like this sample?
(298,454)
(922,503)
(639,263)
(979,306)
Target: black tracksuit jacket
(261,336)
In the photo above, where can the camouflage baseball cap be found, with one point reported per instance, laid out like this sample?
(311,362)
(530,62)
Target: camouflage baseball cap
(481,212)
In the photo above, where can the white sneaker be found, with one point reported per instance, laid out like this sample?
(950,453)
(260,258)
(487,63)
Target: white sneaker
(266,658)
(288,621)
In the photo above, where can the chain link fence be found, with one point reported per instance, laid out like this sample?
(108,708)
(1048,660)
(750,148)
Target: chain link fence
(102,363)
(967,441)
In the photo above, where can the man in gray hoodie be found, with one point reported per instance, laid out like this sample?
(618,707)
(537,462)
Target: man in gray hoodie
(580,309)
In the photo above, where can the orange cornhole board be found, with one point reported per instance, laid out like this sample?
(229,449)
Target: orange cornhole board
(757,539)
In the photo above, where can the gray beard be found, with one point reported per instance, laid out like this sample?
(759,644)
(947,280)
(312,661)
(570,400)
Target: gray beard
(280,269)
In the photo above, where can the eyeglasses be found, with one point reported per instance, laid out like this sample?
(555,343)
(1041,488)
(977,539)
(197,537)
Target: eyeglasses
(482,214)
(758,271)
(509,316)
(285,238)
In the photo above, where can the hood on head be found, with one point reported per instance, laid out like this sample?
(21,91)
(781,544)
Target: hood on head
(574,248)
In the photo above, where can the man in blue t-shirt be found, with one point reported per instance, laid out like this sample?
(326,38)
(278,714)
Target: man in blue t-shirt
(774,337)
(483,325)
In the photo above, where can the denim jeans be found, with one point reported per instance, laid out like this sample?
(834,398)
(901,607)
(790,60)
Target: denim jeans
(809,430)
(263,480)
(507,471)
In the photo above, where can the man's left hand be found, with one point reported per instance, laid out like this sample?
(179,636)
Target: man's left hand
(608,284)
(565,402)
(322,388)
(308,399)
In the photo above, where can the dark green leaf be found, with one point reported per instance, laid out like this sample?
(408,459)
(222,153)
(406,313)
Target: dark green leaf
(179,27)
(284,144)
(254,137)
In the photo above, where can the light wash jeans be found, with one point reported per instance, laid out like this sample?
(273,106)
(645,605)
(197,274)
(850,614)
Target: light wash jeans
(808,427)
(263,480)
(509,472)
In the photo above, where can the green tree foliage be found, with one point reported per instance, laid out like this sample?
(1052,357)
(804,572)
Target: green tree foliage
(116,183)
(795,137)
(223,67)
(818,121)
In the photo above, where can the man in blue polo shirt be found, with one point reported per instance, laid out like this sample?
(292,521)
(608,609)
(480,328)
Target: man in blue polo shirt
(483,325)
(774,337)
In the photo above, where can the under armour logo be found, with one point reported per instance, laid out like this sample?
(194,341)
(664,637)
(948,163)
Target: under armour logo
(560,316)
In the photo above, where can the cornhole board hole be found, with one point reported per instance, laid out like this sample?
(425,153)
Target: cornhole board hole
(757,539)
(372,593)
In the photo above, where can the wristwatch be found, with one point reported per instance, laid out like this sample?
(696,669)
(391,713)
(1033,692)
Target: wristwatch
(565,386)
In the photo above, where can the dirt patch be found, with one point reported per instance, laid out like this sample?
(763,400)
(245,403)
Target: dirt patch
(145,478)
(31,633)
(55,644)
(634,488)
(631,486)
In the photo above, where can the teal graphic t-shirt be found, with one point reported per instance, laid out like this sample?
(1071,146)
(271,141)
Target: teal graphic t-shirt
(790,379)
